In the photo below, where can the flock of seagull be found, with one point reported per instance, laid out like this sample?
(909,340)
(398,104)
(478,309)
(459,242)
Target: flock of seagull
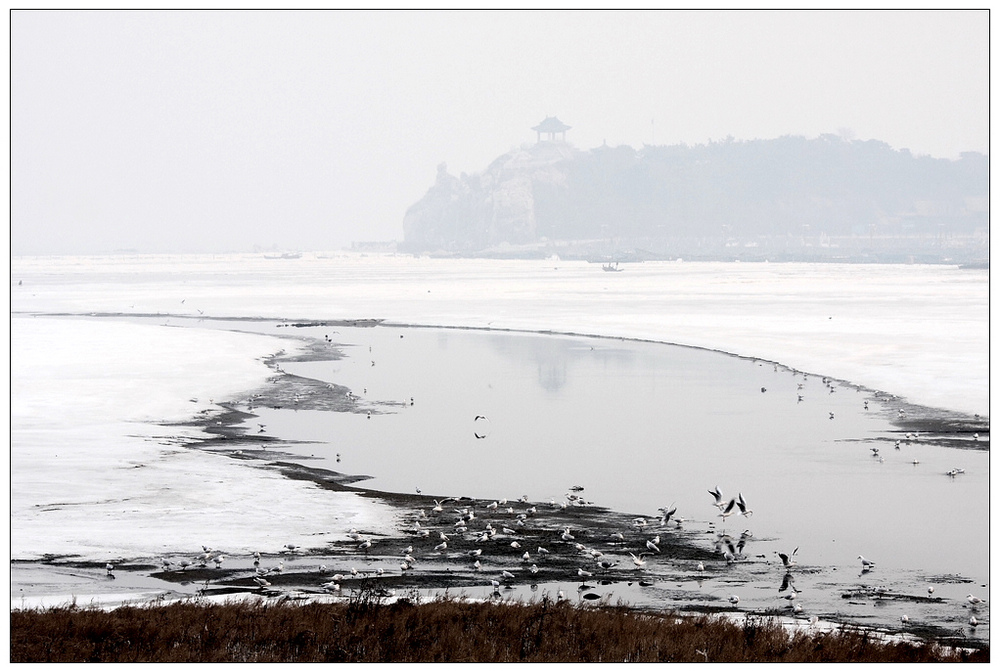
(466,533)
(454,529)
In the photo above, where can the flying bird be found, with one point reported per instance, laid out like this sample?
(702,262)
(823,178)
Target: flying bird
(639,560)
(728,510)
(667,513)
(483,426)
(743,506)
(788,560)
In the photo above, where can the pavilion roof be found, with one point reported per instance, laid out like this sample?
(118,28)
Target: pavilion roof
(551,125)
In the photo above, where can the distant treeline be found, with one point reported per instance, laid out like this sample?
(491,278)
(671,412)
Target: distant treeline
(723,194)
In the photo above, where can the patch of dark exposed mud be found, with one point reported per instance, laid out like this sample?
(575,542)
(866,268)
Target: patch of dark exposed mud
(591,527)
(936,426)
(452,568)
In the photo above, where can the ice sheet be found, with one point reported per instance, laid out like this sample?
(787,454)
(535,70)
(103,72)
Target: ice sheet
(95,474)
(913,330)
(91,473)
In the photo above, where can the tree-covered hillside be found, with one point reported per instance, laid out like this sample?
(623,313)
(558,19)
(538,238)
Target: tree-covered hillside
(790,197)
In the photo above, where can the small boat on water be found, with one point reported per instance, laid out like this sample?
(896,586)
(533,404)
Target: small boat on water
(285,255)
(612,267)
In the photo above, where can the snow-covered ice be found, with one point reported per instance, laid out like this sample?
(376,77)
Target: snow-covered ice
(918,331)
(94,472)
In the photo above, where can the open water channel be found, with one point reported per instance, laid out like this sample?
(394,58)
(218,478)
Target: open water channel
(827,468)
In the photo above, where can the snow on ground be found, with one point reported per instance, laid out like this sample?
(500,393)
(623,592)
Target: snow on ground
(93,472)
(914,330)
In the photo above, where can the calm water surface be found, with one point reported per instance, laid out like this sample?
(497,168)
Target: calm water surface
(643,426)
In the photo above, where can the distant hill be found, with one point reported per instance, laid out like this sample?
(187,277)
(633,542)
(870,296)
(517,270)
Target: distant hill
(788,198)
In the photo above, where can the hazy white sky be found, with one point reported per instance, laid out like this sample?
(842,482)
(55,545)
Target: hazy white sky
(179,131)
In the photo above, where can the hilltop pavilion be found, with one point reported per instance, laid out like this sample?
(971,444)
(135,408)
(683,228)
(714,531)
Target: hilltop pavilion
(550,126)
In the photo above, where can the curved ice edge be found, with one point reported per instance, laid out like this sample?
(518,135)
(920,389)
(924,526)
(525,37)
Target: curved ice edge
(981,422)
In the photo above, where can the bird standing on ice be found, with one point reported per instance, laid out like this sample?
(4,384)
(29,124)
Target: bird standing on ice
(866,564)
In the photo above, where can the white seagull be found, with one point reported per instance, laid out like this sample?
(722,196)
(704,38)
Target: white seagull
(728,510)
(743,506)
(719,501)
(788,560)
(638,561)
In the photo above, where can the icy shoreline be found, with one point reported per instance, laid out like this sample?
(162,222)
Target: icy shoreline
(921,332)
(58,398)
(96,473)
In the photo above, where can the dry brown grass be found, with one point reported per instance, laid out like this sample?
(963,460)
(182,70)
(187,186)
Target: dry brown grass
(366,630)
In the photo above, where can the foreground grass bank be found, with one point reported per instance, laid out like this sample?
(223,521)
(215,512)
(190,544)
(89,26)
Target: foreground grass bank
(365,630)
